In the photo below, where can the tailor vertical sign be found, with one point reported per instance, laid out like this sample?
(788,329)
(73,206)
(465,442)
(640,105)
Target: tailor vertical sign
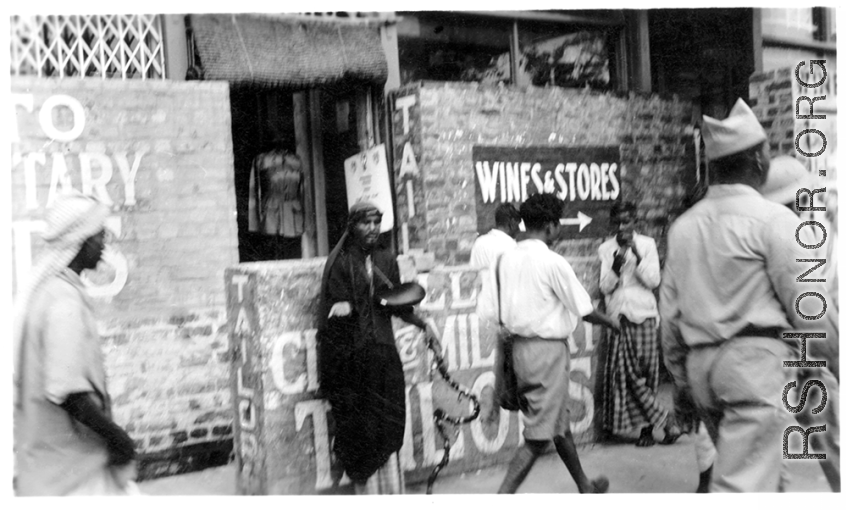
(586,178)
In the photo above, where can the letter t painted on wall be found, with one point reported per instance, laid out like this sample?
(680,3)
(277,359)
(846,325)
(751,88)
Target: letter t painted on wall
(239,280)
(404,103)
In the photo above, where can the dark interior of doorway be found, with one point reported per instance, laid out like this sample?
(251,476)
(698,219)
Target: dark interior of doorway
(340,139)
(263,119)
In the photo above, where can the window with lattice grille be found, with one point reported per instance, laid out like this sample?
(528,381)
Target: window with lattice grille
(103,46)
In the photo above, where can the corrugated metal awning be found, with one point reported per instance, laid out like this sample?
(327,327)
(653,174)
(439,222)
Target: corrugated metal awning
(287,52)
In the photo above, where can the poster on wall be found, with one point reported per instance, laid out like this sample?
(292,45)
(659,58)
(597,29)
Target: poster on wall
(587,179)
(366,175)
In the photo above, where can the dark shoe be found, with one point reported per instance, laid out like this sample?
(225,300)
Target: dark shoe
(705,480)
(610,438)
(599,485)
(646,438)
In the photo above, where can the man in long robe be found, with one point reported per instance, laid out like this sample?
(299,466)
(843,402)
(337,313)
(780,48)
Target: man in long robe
(360,370)
(66,442)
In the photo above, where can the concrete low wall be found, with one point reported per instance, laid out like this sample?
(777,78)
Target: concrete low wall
(283,431)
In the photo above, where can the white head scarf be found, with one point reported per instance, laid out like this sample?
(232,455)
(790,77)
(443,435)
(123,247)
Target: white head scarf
(73,218)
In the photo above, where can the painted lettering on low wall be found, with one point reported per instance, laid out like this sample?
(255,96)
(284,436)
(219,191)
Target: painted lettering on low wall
(301,423)
(247,389)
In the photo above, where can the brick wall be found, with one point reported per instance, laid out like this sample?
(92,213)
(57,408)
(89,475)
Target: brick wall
(439,124)
(445,121)
(773,96)
(159,291)
(772,101)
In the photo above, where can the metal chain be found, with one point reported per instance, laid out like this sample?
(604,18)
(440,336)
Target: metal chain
(440,415)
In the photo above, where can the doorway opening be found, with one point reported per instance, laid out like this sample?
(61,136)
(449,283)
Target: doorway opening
(289,149)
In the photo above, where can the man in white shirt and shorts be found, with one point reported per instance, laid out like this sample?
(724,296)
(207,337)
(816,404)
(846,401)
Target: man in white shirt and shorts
(542,303)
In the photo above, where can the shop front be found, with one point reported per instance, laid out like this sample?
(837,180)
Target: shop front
(180,163)
(459,148)
(305,97)
(254,175)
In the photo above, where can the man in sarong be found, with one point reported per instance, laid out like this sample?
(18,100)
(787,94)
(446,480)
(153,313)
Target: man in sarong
(360,370)
(542,302)
(629,271)
(66,442)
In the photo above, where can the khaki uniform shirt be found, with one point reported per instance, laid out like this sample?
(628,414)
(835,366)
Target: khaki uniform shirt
(732,264)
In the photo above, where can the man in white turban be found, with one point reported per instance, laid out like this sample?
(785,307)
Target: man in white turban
(727,299)
(66,442)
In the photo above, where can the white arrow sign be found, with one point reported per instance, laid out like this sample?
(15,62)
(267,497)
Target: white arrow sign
(581,219)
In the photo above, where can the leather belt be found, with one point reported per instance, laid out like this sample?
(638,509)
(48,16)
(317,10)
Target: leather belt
(761,332)
(749,331)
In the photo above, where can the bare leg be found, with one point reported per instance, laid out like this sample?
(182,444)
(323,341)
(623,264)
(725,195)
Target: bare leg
(566,449)
(520,465)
